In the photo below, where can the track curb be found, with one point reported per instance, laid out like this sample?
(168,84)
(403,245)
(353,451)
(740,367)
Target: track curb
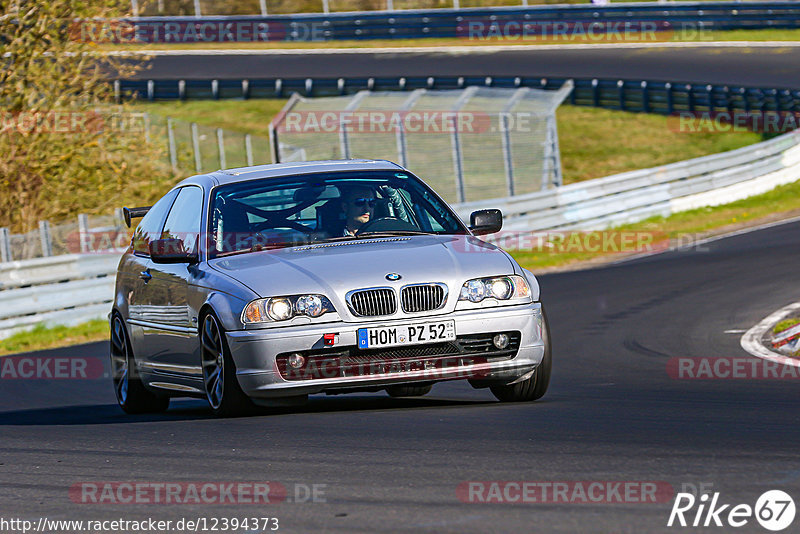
(751,340)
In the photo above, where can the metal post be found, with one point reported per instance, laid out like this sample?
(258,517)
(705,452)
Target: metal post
(83,233)
(263,4)
(507,159)
(119,217)
(458,163)
(46,238)
(5,245)
(390,5)
(147,128)
(505,133)
(456,5)
(402,147)
(197,11)
(221,149)
(344,140)
(325,6)
(198,162)
(173,151)
(274,146)
(135,8)
(552,155)
(670,103)
(248,149)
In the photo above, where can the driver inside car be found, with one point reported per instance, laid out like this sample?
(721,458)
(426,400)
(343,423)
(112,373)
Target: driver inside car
(358,204)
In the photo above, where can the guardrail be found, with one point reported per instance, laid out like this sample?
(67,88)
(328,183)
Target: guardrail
(630,95)
(74,288)
(450,23)
(61,290)
(660,191)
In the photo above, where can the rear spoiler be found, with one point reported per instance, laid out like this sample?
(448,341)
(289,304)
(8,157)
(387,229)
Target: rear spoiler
(134,213)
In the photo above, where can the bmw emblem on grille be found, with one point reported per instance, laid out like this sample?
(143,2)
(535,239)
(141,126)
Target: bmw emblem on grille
(393,276)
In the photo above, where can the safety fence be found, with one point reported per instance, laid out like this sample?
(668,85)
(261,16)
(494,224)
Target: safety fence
(391,19)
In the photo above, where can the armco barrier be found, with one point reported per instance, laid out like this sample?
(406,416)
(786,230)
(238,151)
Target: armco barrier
(450,23)
(60,290)
(75,288)
(630,95)
(637,195)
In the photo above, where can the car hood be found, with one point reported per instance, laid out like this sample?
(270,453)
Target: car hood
(335,268)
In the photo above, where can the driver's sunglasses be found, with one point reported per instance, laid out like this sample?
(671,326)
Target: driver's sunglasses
(361,202)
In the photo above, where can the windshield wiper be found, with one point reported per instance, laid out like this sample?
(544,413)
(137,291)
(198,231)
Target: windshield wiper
(392,233)
(256,249)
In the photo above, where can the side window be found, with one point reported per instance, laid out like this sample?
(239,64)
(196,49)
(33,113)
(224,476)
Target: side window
(150,226)
(184,218)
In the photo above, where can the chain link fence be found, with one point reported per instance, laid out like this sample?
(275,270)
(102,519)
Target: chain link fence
(470,144)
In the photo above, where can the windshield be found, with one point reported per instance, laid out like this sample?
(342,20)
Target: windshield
(316,208)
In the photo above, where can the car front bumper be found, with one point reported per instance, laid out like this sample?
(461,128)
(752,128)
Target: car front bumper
(255,352)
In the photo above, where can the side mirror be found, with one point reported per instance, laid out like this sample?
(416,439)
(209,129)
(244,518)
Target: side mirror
(484,222)
(170,251)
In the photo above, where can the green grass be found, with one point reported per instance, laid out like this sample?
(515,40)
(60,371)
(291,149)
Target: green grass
(41,337)
(785,325)
(681,228)
(705,36)
(598,142)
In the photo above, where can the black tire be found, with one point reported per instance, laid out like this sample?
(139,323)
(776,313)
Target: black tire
(223,392)
(534,387)
(131,394)
(409,391)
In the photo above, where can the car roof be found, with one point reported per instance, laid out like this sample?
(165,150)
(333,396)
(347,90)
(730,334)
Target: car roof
(276,170)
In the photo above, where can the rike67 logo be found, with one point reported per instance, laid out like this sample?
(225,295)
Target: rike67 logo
(774,510)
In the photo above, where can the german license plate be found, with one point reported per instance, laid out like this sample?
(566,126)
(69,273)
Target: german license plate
(406,334)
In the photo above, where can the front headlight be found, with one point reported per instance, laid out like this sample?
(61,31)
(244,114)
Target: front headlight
(510,289)
(284,308)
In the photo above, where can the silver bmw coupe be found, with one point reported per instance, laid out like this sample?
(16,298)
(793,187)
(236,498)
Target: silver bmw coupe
(261,285)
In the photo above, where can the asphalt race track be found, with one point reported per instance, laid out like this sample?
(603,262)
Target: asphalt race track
(613,413)
(749,66)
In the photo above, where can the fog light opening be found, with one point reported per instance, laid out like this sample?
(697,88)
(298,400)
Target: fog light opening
(500,341)
(296,360)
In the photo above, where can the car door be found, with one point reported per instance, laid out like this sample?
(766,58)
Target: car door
(138,268)
(173,333)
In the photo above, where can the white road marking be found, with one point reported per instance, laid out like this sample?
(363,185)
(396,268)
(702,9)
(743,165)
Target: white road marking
(737,331)
(751,341)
